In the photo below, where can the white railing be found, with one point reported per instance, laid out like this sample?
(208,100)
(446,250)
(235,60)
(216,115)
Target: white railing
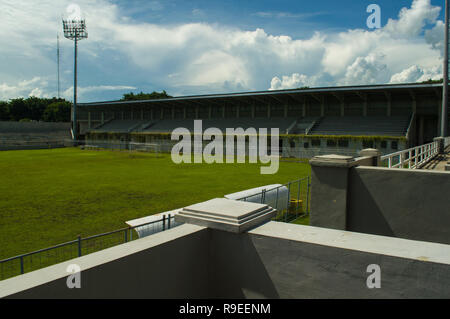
(412,158)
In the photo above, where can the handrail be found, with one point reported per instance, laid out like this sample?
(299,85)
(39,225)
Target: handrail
(79,240)
(411,121)
(309,129)
(412,158)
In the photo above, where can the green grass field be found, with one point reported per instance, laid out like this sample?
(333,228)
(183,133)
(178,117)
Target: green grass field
(51,196)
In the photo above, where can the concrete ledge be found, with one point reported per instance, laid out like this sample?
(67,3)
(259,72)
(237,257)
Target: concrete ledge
(333,161)
(47,276)
(383,245)
(226,214)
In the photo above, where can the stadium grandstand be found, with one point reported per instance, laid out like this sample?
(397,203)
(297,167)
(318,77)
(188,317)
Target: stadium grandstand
(33,135)
(312,121)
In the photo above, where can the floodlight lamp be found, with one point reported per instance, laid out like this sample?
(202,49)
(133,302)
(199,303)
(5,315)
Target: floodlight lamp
(75,29)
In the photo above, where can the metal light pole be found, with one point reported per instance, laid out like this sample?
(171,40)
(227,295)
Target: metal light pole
(444,111)
(75,30)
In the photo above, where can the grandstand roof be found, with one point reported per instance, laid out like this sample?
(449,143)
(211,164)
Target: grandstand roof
(277,95)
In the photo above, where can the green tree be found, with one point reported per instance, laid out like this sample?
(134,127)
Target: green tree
(18,109)
(145,96)
(36,107)
(57,112)
(4,111)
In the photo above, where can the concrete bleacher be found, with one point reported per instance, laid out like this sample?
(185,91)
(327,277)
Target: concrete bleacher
(121,125)
(304,124)
(33,135)
(166,126)
(359,125)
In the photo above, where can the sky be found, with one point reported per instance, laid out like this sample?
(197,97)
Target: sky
(205,47)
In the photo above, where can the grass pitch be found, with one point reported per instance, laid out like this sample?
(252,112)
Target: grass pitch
(51,196)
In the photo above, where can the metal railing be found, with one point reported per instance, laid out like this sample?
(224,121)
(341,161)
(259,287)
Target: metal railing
(21,264)
(412,158)
(291,207)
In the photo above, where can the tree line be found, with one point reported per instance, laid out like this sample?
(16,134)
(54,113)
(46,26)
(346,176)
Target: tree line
(54,109)
(35,109)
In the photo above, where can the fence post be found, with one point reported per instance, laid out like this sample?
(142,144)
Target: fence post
(307,196)
(126,234)
(164,222)
(288,201)
(168,222)
(79,246)
(298,197)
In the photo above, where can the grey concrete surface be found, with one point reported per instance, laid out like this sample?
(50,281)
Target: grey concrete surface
(329,176)
(412,204)
(170,264)
(279,260)
(275,260)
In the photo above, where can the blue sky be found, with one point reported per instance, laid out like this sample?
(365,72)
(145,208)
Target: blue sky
(199,47)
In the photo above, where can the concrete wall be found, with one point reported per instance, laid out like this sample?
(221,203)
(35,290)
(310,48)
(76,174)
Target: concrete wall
(403,203)
(275,260)
(279,260)
(171,264)
(32,127)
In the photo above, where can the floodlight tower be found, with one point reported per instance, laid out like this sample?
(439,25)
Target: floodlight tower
(75,30)
(444,111)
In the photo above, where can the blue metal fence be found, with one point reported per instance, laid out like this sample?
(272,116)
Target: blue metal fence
(21,264)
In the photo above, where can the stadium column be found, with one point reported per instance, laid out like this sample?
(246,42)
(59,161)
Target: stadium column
(253,110)
(365,106)
(322,106)
(268,111)
(439,117)
(329,180)
(414,101)
(103,117)
(89,119)
(389,103)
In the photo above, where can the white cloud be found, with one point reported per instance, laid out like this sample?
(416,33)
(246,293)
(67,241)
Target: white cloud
(81,91)
(366,70)
(23,88)
(289,82)
(203,58)
(435,36)
(411,21)
(417,74)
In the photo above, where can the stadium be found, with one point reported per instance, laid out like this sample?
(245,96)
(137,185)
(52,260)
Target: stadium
(339,120)
(357,208)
